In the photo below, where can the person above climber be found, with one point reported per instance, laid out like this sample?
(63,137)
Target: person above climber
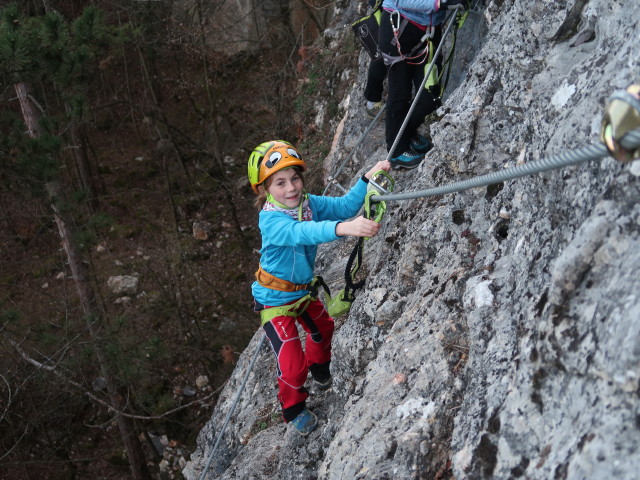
(374,88)
(293,224)
(410,32)
(366,29)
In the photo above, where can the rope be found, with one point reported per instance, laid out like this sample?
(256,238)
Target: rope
(574,157)
(353,265)
(233,407)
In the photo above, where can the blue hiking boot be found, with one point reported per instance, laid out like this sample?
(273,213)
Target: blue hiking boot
(305,422)
(409,159)
(421,144)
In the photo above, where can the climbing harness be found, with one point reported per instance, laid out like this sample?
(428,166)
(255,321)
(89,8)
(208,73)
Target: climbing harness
(265,279)
(296,308)
(398,24)
(339,304)
(621,115)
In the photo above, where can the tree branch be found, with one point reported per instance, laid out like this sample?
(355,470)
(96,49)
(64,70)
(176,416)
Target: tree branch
(53,369)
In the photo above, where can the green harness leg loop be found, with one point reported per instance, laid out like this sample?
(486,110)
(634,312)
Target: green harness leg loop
(461,17)
(293,310)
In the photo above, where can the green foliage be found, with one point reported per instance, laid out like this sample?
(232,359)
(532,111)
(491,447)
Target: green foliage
(35,159)
(9,317)
(304,102)
(17,50)
(85,239)
(163,403)
(62,57)
(89,28)
(69,52)
(100,221)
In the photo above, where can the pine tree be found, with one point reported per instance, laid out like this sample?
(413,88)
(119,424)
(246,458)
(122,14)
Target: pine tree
(32,49)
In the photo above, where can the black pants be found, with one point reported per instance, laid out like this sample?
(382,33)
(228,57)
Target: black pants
(375,80)
(403,77)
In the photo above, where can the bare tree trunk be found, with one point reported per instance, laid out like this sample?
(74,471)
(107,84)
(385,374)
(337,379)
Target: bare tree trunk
(205,62)
(82,164)
(87,297)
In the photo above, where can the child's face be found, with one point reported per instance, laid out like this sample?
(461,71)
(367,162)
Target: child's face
(286,187)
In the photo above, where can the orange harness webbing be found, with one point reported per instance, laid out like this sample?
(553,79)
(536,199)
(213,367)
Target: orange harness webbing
(271,281)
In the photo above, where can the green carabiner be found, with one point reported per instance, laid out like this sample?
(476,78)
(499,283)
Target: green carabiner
(374,210)
(381,181)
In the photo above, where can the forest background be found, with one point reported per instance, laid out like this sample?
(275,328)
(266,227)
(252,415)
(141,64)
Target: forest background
(128,238)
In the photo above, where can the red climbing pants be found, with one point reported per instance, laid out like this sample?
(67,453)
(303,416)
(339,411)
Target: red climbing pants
(293,362)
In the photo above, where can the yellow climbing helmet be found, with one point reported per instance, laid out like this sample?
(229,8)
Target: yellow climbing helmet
(270,157)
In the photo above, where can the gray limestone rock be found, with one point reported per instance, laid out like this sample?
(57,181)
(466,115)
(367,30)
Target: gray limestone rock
(497,335)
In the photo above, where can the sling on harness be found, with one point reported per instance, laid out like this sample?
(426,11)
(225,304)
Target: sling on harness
(340,304)
(398,24)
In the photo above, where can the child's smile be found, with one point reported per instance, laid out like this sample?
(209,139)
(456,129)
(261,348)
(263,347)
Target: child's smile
(286,187)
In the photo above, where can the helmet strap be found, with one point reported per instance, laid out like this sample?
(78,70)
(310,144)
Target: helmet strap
(272,200)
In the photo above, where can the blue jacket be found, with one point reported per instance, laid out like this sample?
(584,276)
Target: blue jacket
(289,246)
(423,12)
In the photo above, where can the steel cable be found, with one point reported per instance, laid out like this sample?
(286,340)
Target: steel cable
(233,408)
(574,157)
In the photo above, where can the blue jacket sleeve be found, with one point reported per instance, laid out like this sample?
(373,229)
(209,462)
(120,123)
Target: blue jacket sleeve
(281,230)
(340,208)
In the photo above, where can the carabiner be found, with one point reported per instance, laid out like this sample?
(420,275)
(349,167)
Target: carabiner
(381,181)
(394,27)
(374,210)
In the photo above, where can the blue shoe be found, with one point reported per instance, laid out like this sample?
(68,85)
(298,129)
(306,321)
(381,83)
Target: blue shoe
(420,143)
(408,159)
(306,422)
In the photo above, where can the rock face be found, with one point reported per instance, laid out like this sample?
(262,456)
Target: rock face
(497,335)
(235,26)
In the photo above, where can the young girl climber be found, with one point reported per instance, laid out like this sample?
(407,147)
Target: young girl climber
(292,224)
